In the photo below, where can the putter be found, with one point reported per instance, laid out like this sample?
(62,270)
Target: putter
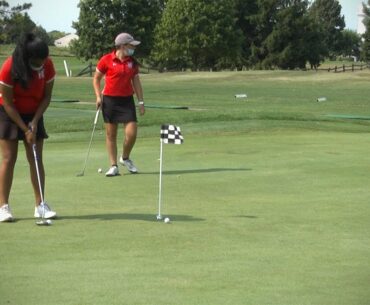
(43,221)
(88,149)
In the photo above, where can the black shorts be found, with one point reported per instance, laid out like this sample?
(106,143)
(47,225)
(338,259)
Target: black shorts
(119,109)
(10,130)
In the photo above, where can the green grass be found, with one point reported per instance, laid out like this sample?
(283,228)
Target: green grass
(268,198)
(256,219)
(274,98)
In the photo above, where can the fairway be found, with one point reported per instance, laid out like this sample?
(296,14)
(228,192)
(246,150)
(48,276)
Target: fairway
(268,198)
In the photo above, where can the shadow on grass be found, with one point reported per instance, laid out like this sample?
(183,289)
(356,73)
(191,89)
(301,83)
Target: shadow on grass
(245,216)
(126,216)
(197,171)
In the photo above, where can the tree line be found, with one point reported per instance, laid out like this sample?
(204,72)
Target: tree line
(219,34)
(209,34)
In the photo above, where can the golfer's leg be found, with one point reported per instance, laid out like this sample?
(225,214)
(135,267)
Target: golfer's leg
(130,138)
(33,172)
(9,152)
(111,142)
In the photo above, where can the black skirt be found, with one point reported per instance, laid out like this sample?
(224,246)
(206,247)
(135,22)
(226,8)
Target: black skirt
(10,130)
(119,109)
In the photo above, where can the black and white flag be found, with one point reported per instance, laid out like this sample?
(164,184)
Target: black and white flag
(171,134)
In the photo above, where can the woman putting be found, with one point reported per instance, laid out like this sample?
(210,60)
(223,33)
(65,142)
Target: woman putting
(26,84)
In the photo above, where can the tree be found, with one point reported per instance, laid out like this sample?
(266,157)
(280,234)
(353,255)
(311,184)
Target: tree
(262,21)
(16,25)
(14,21)
(285,36)
(142,25)
(286,44)
(198,35)
(101,20)
(315,44)
(365,54)
(327,14)
(350,44)
(245,11)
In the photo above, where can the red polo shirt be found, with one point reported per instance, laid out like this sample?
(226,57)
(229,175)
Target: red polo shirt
(26,101)
(118,74)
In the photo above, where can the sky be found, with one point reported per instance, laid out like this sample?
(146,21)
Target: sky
(349,10)
(59,14)
(52,14)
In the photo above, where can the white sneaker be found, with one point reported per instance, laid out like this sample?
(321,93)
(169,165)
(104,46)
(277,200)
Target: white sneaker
(44,209)
(113,171)
(5,213)
(129,164)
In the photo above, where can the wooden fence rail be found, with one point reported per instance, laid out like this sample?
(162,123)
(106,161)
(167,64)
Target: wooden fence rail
(344,68)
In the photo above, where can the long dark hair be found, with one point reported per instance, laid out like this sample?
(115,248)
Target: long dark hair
(29,46)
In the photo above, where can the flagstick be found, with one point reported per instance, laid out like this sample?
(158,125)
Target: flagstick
(159,216)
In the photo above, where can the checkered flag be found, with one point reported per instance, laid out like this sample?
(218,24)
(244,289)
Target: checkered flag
(171,134)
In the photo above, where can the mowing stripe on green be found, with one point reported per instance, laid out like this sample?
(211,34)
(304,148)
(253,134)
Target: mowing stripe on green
(147,105)
(59,100)
(349,116)
(166,107)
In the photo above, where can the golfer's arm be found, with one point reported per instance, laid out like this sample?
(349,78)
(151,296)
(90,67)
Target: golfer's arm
(7,94)
(96,83)
(138,88)
(45,101)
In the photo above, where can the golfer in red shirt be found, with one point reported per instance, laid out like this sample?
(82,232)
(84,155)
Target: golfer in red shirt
(26,84)
(122,80)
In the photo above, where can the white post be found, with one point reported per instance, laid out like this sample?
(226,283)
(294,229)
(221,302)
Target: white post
(66,68)
(159,216)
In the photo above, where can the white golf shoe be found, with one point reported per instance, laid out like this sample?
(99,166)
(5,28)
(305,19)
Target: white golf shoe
(113,171)
(129,165)
(5,213)
(44,209)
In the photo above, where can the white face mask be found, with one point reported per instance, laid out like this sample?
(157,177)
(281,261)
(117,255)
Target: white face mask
(37,69)
(130,52)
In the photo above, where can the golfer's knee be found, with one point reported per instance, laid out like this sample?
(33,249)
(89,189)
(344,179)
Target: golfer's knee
(130,135)
(111,134)
(111,137)
(9,160)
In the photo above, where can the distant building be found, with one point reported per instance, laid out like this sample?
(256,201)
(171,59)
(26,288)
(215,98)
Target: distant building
(361,29)
(65,41)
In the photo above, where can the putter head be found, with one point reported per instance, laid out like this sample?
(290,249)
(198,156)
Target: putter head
(80,174)
(159,217)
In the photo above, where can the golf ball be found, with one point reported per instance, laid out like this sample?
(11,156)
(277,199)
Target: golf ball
(166,220)
(48,221)
(100,170)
